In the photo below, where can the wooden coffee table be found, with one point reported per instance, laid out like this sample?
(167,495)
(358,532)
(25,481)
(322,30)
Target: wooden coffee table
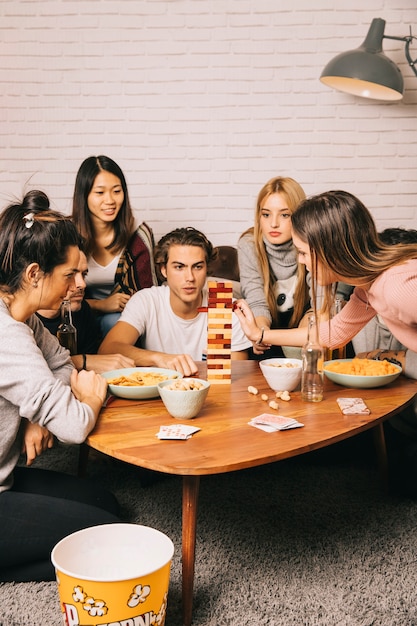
(126,430)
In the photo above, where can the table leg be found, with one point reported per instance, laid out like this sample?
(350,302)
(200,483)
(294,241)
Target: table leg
(381,454)
(190,489)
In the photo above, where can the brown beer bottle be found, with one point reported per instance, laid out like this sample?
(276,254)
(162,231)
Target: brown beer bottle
(67,333)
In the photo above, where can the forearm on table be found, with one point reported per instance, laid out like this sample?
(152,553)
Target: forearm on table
(94,402)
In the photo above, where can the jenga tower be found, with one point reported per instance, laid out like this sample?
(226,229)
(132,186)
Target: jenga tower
(219,332)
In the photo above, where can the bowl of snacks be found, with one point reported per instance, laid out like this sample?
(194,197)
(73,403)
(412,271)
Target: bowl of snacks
(138,383)
(361,373)
(282,374)
(184,398)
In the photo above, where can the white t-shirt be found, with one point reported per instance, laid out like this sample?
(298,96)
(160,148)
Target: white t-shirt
(149,311)
(100,278)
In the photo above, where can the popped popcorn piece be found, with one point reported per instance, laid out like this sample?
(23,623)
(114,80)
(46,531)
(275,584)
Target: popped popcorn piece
(273,404)
(264,397)
(253,390)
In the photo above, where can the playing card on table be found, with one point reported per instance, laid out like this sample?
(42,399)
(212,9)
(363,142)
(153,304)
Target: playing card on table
(176,431)
(353,406)
(271,423)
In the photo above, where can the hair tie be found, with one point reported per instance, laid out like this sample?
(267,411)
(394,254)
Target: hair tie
(29,219)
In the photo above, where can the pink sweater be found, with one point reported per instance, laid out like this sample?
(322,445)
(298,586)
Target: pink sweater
(393,295)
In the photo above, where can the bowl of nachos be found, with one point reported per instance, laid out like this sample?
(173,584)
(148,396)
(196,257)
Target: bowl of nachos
(138,383)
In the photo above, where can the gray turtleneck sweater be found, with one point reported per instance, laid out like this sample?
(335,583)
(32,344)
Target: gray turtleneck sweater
(283,263)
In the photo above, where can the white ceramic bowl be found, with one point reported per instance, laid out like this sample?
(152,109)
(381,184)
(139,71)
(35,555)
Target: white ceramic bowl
(282,374)
(138,392)
(360,382)
(184,404)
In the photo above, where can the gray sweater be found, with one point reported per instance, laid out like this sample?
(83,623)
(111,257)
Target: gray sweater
(282,261)
(34,384)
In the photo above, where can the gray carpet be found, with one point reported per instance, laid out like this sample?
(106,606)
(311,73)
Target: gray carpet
(312,541)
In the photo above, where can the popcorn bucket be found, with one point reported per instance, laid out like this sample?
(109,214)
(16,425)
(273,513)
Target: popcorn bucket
(115,574)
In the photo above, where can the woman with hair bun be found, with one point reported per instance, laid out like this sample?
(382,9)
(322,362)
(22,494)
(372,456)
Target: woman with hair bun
(41,394)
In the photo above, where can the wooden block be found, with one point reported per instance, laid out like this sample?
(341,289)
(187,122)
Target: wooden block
(218,359)
(220,381)
(223,350)
(213,285)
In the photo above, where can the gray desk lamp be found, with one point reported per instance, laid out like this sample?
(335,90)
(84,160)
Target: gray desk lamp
(367,71)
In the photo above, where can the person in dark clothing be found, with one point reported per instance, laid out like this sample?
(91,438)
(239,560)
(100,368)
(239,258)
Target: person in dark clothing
(88,330)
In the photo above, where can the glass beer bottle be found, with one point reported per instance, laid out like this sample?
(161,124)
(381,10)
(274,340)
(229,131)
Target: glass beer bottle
(67,333)
(312,356)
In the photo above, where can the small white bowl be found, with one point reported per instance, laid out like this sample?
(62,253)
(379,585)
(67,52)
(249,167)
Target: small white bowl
(282,374)
(183,404)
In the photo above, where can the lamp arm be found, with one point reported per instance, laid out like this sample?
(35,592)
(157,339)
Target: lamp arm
(408,39)
(411,63)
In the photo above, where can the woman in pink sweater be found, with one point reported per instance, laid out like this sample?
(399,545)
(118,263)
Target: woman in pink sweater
(337,240)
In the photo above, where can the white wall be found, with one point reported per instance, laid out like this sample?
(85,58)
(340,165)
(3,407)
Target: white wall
(200,102)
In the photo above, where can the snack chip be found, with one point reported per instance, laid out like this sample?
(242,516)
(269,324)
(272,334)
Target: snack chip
(138,379)
(362,367)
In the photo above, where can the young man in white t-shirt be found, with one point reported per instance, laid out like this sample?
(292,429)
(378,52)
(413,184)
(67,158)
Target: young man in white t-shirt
(165,321)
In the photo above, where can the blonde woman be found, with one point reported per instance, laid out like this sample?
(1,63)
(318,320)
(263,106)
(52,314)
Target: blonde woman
(273,283)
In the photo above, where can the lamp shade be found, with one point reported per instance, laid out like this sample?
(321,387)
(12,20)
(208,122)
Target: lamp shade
(366,71)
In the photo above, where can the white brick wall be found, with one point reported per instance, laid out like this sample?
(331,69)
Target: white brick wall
(201,102)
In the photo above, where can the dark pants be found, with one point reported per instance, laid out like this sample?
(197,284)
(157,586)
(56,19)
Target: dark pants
(42,508)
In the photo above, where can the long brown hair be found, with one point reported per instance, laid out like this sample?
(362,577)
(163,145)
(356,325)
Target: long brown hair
(293,194)
(84,181)
(342,237)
